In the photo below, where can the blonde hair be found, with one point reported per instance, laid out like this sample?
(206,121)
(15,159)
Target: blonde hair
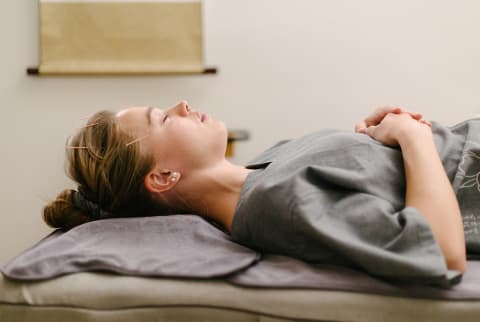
(109,172)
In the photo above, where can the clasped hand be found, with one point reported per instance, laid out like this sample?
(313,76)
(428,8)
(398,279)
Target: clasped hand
(390,125)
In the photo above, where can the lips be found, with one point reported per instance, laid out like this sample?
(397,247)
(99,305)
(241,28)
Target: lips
(201,117)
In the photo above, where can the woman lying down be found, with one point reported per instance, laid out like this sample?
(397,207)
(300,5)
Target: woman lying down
(384,199)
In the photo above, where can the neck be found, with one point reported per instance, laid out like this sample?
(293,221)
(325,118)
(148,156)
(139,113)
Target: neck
(220,188)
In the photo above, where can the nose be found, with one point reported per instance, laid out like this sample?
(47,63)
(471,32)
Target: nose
(182,108)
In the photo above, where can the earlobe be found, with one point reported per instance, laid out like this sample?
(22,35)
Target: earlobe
(161,181)
(174,176)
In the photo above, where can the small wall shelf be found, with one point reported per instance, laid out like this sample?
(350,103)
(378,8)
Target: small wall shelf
(234,136)
(34,71)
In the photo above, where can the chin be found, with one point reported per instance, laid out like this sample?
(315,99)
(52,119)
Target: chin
(220,136)
(222,128)
(224,138)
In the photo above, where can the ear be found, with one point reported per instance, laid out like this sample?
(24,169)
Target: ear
(161,180)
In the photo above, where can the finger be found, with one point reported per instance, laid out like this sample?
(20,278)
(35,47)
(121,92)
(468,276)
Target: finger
(362,130)
(379,115)
(399,110)
(425,122)
(360,127)
(416,116)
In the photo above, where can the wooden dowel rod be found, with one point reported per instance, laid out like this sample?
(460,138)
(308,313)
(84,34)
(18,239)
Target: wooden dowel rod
(34,71)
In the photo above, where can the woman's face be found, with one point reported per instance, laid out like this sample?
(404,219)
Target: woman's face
(180,138)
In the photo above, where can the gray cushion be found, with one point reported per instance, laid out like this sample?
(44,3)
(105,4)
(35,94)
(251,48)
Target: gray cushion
(173,246)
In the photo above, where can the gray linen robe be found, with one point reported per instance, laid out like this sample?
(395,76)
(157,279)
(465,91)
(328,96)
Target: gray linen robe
(337,197)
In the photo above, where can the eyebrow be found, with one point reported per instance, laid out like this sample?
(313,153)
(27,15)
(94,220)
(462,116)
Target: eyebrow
(149,115)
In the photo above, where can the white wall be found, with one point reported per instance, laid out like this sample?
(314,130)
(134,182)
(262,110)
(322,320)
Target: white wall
(286,67)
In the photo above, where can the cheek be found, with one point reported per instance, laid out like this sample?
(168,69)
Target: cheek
(183,141)
(187,145)
(183,134)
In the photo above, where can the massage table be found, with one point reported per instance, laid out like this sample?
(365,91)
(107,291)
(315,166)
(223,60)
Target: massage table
(59,280)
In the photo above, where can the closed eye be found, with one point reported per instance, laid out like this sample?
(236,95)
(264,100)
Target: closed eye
(164,118)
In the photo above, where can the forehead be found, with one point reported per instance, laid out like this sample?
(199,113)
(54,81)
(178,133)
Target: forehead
(131,111)
(133,118)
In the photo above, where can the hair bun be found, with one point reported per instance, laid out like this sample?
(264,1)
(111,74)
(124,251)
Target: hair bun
(60,213)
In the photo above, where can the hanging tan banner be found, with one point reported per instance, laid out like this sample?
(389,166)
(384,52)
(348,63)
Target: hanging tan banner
(120,37)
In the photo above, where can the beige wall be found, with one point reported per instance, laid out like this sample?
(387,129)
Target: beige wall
(286,67)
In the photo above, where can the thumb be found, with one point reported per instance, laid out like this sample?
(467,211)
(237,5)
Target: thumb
(360,127)
(370,130)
